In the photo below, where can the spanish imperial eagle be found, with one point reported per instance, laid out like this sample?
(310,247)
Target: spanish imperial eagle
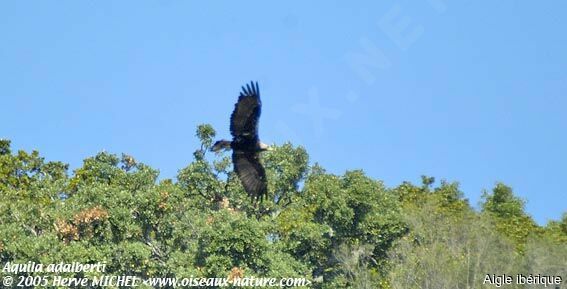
(245,144)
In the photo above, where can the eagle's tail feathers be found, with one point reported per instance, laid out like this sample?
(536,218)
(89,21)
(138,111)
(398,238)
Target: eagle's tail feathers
(221,145)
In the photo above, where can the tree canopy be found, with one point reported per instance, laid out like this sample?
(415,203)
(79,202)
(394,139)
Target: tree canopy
(339,231)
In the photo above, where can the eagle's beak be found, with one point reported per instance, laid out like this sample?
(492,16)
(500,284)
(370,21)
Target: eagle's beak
(265,147)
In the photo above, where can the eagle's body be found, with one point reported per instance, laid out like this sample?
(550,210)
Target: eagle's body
(245,143)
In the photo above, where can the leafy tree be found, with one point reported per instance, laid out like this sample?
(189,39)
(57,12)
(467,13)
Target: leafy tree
(338,230)
(449,245)
(508,210)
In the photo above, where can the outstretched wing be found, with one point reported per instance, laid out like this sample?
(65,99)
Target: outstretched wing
(251,173)
(244,118)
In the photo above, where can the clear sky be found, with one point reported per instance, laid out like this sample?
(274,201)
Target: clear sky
(467,91)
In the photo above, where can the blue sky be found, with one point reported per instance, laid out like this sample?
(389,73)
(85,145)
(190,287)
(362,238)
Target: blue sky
(467,91)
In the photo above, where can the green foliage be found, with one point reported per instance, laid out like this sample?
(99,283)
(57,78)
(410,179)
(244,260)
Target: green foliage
(449,245)
(508,210)
(339,231)
(503,203)
(557,230)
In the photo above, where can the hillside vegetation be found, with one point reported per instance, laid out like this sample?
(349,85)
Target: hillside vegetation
(339,231)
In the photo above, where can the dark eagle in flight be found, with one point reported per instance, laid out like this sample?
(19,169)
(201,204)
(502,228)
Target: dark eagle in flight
(245,144)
